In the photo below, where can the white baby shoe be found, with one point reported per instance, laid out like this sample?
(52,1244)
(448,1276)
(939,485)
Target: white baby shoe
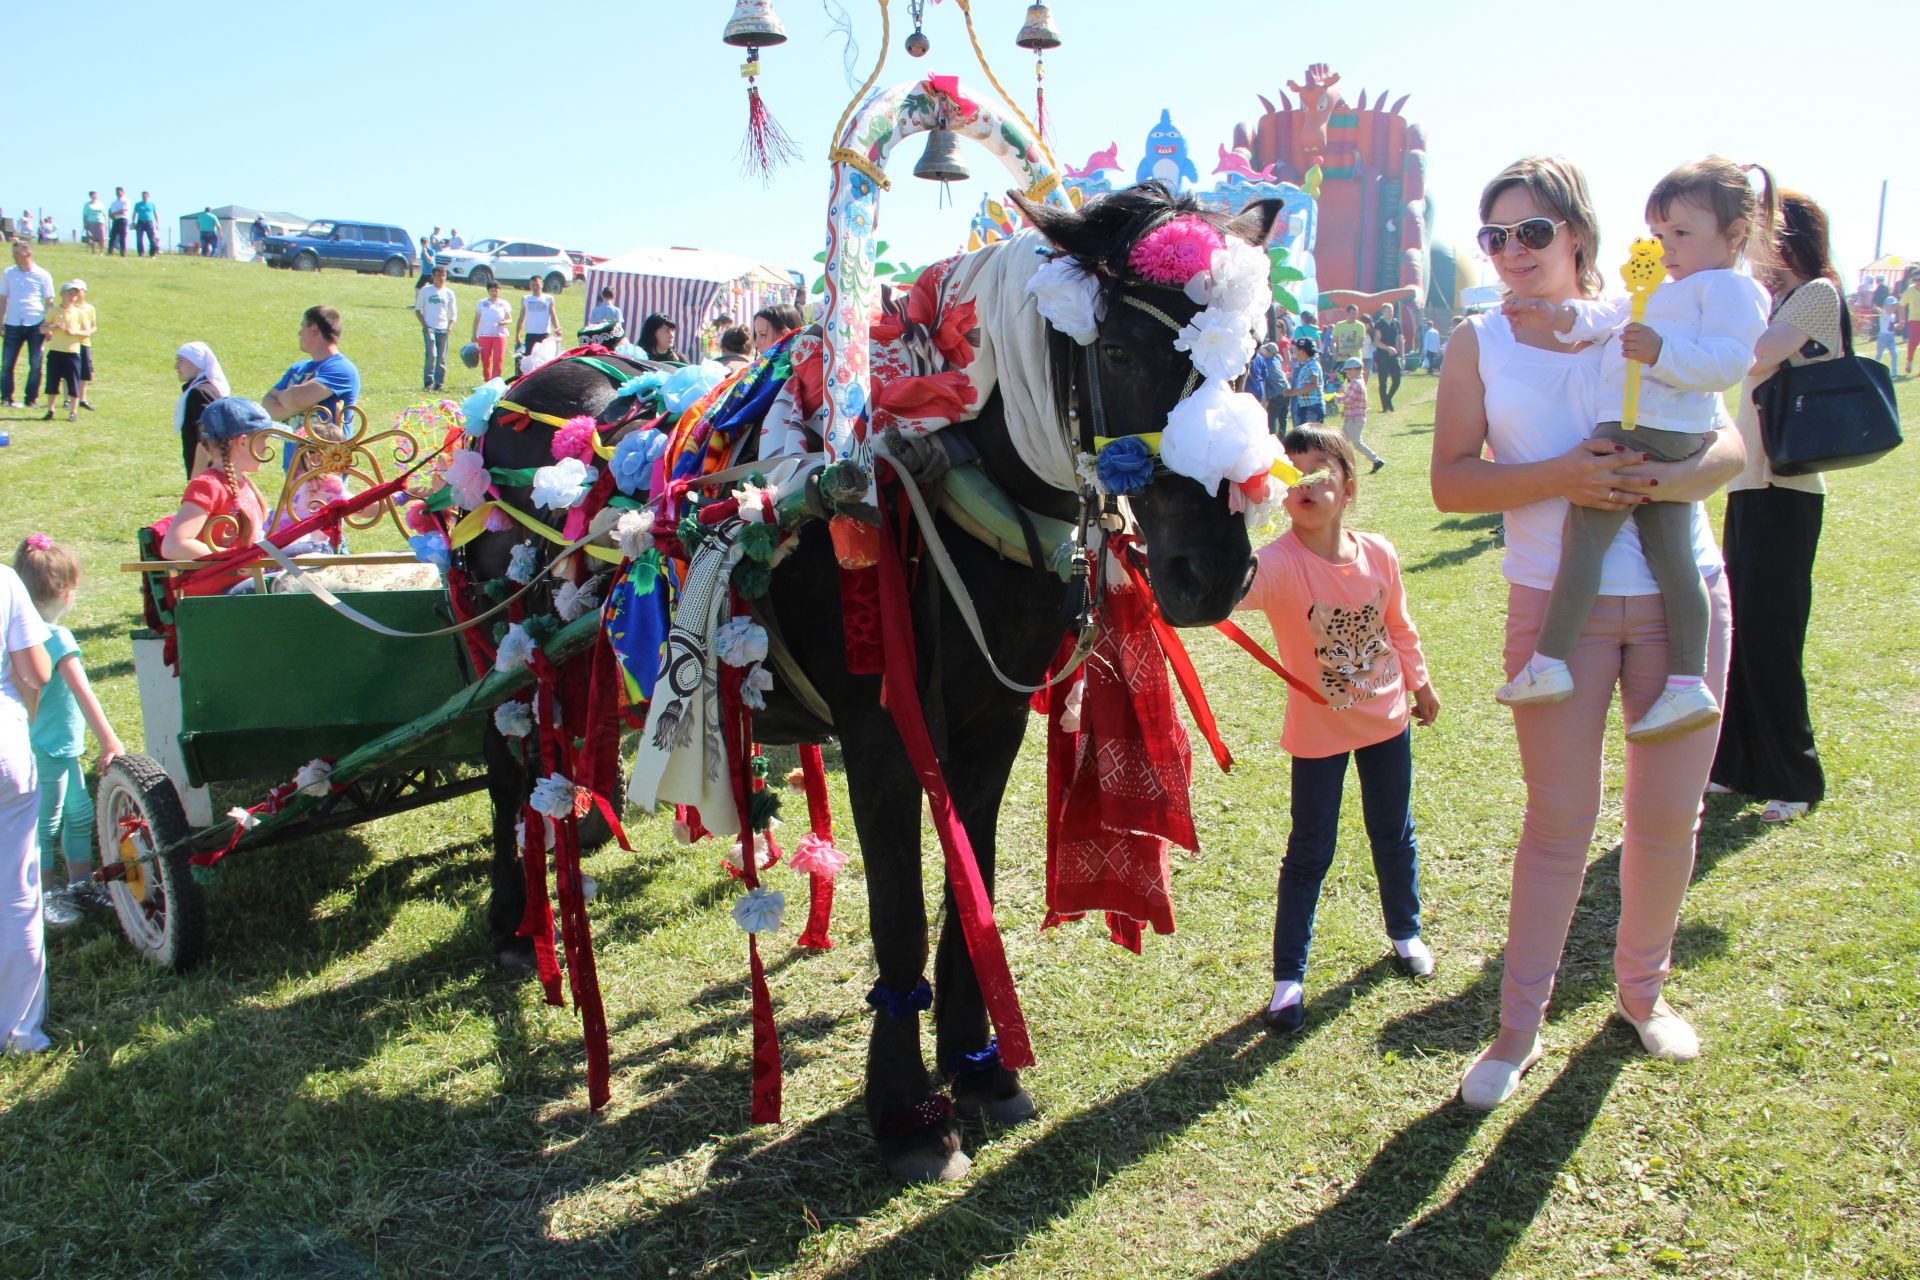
(1676,712)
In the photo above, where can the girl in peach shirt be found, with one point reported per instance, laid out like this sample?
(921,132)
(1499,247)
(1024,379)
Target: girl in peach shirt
(1339,613)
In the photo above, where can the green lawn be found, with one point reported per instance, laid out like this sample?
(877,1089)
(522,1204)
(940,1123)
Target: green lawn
(347,1090)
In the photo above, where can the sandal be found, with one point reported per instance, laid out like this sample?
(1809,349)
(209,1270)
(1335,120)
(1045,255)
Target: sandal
(1778,811)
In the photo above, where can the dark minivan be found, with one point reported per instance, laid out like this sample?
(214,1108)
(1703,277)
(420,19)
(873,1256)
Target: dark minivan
(356,246)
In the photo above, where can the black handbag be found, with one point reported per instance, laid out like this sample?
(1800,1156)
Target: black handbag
(1828,415)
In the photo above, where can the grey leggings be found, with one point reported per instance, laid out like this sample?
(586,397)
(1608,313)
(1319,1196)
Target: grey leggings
(1666,540)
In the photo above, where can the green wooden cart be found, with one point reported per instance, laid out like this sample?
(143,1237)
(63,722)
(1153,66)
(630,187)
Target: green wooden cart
(241,691)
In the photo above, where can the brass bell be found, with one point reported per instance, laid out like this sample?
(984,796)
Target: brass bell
(1038,32)
(754,25)
(918,44)
(941,162)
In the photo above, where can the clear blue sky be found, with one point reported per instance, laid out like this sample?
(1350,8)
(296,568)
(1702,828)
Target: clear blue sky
(476,114)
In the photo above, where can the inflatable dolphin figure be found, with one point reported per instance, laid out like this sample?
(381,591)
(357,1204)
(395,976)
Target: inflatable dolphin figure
(1166,157)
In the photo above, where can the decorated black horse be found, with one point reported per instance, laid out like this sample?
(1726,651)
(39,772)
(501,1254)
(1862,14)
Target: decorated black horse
(1193,546)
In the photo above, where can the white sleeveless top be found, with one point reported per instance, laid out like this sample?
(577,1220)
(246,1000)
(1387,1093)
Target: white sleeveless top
(1539,405)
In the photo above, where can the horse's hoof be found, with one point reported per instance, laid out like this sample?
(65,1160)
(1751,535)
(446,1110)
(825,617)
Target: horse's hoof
(922,1165)
(1007,1112)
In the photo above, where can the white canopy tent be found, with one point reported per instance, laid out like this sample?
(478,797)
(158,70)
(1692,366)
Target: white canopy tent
(236,223)
(688,286)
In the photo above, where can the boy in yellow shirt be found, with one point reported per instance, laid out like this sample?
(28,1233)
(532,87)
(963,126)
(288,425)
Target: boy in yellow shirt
(68,330)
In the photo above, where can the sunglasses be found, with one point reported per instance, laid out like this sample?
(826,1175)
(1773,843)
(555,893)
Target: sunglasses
(1532,233)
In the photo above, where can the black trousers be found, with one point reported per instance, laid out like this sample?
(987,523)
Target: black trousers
(1766,739)
(1387,366)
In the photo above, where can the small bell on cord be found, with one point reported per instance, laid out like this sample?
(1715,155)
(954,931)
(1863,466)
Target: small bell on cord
(1037,32)
(754,24)
(941,161)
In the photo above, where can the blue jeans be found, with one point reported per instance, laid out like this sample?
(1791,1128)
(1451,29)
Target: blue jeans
(1386,786)
(17,336)
(1887,347)
(433,374)
(145,243)
(1305,411)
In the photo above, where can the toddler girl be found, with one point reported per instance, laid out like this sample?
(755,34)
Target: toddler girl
(67,332)
(223,494)
(23,959)
(1697,340)
(68,708)
(1353,410)
(1334,599)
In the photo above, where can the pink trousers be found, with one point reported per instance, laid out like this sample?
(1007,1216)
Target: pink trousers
(1624,646)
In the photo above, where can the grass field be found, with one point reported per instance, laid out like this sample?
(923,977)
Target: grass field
(347,1089)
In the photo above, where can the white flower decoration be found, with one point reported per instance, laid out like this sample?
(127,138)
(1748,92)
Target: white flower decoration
(242,819)
(740,642)
(520,563)
(755,687)
(574,599)
(563,484)
(762,856)
(1069,298)
(752,509)
(1220,343)
(557,797)
(634,532)
(1217,434)
(759,910)
(515,648)
(514,719)
(467,476)
(1236,283)
(312,778)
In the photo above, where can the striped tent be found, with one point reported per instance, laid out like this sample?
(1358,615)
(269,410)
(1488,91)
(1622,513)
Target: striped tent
(689,287)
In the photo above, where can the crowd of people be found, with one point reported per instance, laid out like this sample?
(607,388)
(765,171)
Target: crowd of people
(1702,641)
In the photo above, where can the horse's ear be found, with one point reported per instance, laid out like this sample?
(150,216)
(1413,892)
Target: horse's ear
(1255,222)
(1065,229)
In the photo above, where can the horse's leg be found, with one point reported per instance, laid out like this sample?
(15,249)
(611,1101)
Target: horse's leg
(507,894)
(980,1089)
(918,1143)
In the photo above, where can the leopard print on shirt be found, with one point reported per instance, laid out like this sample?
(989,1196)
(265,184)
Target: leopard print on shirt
(1356,660)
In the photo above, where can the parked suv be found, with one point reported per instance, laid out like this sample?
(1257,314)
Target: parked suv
(356,246)
(509,262)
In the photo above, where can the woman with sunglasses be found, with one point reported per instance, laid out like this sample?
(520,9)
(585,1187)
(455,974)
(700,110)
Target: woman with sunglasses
(1532,401)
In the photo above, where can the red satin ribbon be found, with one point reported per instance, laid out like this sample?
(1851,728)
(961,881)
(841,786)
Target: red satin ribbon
(902,699)
(1267,660)
(813,776)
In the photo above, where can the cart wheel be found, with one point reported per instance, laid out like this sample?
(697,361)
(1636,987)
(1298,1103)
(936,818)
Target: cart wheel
(161,908)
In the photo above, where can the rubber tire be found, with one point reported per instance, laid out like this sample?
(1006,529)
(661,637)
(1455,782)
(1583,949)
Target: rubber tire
(180,940)
(555,282)
(306,260)
(480,278)
(395,267)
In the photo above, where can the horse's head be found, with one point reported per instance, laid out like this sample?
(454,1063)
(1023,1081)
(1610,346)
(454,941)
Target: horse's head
(1198,554)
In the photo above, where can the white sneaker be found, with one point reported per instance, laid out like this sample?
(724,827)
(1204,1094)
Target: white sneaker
(1536,688)
(1666,1035)
(57,912)
(1676,712)
(1490,1082)
(1413,957)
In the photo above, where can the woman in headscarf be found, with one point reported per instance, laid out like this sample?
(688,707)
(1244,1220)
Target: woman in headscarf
(202,382)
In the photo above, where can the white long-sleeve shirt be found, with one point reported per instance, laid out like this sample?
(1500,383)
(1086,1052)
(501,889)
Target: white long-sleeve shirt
(1708,324)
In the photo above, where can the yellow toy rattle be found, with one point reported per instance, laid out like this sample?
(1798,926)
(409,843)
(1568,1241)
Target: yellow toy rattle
(1645,269)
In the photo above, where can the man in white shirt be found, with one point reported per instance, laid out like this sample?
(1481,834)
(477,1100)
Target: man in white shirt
(437,307)
(29,291)
(454,241)
(117,217)
(536,316)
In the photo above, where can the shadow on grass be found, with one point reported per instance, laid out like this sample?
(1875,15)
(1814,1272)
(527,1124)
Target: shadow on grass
(1454,555)
(1486,520)
(1369,1230)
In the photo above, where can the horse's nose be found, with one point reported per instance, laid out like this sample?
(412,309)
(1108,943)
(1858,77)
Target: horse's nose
(1189,595)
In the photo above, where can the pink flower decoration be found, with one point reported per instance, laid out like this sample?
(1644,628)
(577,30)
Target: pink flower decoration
(1176,251)
(575,440)
(420,520)
(816,856)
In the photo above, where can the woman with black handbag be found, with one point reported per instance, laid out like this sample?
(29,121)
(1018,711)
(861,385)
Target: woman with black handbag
(1771,535)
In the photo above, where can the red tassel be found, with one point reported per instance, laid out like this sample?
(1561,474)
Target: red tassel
(767,146)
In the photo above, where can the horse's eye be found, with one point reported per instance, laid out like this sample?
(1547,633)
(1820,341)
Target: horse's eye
(1115,354)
